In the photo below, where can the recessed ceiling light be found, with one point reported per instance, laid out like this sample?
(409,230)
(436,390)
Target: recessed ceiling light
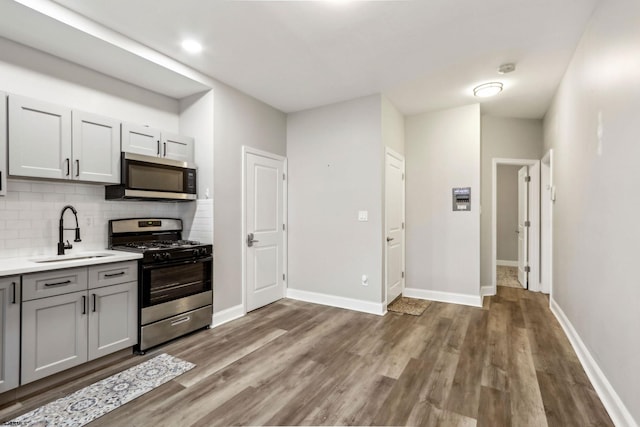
(191,46)
(487,89)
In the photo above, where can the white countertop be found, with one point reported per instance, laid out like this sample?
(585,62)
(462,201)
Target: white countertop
(23,265)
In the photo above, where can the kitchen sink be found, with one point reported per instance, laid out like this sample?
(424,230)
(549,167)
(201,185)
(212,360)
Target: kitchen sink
(64,258)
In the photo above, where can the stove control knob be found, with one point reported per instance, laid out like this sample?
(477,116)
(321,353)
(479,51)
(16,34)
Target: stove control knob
(157,257)
(167,255)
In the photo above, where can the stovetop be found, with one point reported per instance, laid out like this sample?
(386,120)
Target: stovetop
(142,246)
(158,239)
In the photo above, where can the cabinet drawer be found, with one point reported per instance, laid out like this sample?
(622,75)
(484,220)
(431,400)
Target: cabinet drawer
(112,274)
(56,282)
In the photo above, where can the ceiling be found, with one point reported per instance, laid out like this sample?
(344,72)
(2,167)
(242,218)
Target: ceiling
(422,54)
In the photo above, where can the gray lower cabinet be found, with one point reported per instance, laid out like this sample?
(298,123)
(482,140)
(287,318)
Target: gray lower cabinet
(54,335)
(63,326)
(9,332)
(112,319)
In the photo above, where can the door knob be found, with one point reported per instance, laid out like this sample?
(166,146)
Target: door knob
(389,239)
(251,240)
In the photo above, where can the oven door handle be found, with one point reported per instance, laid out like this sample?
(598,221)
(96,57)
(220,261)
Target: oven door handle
(175,263)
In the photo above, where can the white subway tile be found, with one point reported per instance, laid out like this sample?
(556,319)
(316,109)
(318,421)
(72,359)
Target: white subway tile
(18,186)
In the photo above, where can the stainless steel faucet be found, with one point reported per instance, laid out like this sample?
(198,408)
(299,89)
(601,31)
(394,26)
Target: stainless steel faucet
(61,244)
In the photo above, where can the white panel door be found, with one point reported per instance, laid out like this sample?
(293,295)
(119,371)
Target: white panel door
(394,220)
(523,227)
(264,242)
(39,139)
(96,148)
(177,147)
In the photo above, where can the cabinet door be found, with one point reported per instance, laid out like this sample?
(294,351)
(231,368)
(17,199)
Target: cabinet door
(113,318)
(9,332)
(96,148)
(140,140)
(177,147)
(39,139)
(54,335)
(3,144)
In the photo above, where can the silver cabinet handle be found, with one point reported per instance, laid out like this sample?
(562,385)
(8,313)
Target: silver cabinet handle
(251,240)
(389,239)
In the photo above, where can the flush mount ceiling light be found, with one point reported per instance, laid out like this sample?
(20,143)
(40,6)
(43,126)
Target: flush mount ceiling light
(191,46)
(487,89)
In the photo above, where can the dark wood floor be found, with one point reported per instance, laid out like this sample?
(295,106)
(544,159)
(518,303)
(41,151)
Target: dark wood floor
(294,363)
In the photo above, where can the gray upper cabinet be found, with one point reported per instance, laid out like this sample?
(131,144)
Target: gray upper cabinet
(49,141)
(152,142)
(96,148)
(177,147)
(140,140)
(39,139)
(9,332)
(3,144)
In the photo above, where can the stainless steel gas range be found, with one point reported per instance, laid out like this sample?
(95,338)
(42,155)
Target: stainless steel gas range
(174,278)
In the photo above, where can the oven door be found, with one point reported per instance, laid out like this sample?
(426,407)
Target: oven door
(163,283)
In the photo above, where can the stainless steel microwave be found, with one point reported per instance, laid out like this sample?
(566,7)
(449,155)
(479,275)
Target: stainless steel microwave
(153,178)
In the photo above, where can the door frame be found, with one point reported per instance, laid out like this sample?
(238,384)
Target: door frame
(389,151)
(255,151)
(547,198)
(534,218)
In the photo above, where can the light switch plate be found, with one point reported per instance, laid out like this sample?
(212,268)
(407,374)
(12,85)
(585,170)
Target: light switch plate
(363,215)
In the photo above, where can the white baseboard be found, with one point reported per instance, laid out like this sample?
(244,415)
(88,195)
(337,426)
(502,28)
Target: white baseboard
(618,412)
(336,301)
(506,263)
(487,291)
(450,297)
(227,315)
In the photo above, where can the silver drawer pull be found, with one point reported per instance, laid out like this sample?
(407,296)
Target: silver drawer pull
(66,282)
(114,274)
(182,320)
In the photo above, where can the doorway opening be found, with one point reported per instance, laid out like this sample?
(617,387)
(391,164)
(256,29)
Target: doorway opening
(518,233)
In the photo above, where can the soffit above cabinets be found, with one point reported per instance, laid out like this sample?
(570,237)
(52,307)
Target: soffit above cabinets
(73,38)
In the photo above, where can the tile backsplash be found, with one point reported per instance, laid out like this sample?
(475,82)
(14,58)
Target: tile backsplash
(30,213)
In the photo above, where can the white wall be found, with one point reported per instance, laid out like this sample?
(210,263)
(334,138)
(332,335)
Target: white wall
(29,72)
(507,212)
(443,151)
(593,127)
(335,170)
(392,126)
(505,138)
(239,120)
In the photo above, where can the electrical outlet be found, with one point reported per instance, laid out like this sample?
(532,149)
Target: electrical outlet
(363,215)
